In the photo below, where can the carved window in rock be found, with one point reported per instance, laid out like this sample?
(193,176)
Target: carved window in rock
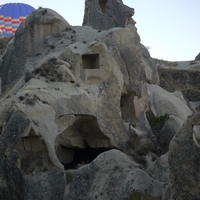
(90,61)
(127,108)
(102,5)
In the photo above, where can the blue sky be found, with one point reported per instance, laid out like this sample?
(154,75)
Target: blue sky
(170,28)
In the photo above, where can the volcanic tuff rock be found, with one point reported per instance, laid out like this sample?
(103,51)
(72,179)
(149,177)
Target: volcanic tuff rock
(106,14)
(28,43)
(98,180)
(184,160)
(197,57)
(86,113)
(181,76)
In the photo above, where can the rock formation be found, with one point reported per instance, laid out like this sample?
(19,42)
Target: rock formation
(86,113)
(106,14)
(197,57)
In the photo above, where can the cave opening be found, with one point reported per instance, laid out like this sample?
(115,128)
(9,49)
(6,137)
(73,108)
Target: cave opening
(81,142)
(83,156)
(102,5)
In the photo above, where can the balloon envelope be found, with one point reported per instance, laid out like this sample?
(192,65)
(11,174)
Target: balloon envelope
(11,15)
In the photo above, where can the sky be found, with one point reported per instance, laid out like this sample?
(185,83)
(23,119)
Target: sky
(170,29)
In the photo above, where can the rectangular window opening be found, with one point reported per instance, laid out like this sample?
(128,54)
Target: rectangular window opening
(90,61)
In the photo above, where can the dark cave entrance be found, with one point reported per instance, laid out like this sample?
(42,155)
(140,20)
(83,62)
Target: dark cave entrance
(89,142)
(102,5)
(83,157)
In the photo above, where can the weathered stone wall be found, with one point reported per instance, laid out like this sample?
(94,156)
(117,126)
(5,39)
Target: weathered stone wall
(86,113)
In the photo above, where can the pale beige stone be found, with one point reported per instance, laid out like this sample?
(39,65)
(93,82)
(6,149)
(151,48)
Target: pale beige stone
(164,102)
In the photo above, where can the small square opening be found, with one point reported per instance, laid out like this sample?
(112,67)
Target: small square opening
(90,61)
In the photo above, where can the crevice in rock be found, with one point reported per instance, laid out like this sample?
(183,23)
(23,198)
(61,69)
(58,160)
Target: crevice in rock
(156,123)
(128,21)
(102,5)
(1,129)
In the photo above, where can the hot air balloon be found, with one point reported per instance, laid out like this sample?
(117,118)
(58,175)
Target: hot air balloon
(11,15)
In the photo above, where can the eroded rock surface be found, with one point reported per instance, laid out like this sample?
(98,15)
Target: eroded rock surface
(184,161)
(112,175)
(86,113)
(29,42)
(106,14)
(181,76)
(149,67)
